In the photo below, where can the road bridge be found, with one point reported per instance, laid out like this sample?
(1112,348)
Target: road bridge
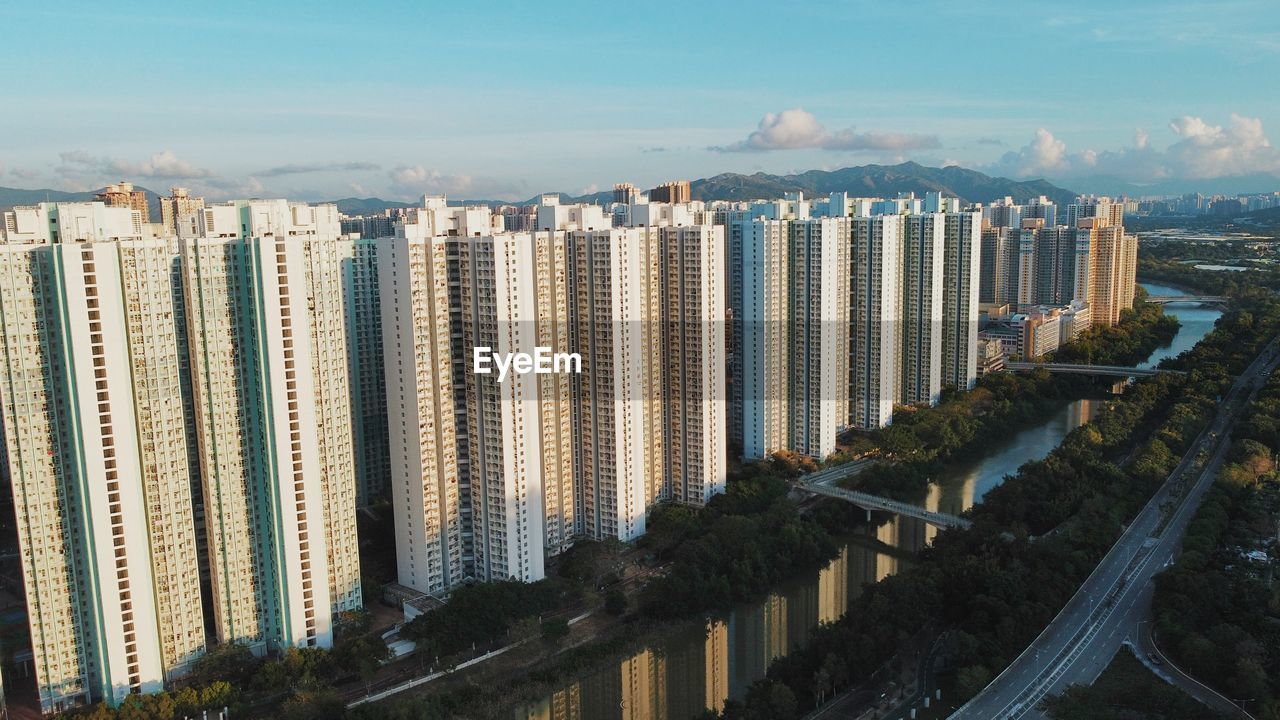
(823,483)
(1104,370)
(1200,299)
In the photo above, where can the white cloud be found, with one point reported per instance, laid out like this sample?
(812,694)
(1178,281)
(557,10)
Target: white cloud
(414,180)
(163,165)
(227,188)
(1044,155)
(1201,151)
(797,129)
(1212,151)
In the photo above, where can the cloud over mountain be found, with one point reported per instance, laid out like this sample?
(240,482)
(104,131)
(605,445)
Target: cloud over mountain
(798,128)
(1201,151)
(164,164)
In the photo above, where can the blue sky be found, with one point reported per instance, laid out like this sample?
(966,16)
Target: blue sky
(320,100)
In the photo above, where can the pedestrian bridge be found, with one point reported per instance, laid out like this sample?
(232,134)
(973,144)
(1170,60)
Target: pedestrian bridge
(1102,370)
(1202,299)
(820,483)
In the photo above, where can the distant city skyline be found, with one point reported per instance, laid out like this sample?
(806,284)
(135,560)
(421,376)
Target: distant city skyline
(279,100)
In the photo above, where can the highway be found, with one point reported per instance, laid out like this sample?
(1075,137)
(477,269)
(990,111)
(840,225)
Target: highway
(1145,649)
(1080,642)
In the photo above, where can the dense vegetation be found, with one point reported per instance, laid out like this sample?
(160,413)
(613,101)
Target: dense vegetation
(1127,691)
(744,541)
(1218,612)
(297,685)
(485,613)
(1164,262)
(752,537)
(1141,329)
(991,586)
(922,442)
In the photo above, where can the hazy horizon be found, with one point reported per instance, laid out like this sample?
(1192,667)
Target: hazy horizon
(327,100)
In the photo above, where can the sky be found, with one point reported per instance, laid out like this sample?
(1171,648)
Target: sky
(503,100)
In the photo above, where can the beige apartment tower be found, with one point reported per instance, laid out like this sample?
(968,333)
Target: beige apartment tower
(615,315)
(413,275)
(819,318)
(693,343)
(180,207)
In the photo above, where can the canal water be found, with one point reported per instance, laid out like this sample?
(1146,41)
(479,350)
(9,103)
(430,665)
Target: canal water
(685,675)
(1196,321)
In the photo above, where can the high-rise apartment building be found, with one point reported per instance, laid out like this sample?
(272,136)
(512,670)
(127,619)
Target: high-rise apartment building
(626,194)
(1092,263)
(819,320)
(760,296)
(1107,264)
(920,327)
(998,275)
(99,476)
(676,191)
(553,299)
(1008,214)
(368,375)
(123,195)
(692,327)
(518,425)
(962,260)
(179,206)
(372,227)
(264,293)
(414,284)
(1055,281)
(493,474)
(874,322)
(615,313)
(1105,211)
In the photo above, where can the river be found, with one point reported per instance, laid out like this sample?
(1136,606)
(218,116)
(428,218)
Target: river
(1196,321)
(691,672)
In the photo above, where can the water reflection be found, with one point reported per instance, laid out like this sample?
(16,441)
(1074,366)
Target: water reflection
(1195,322)
(686,675)
(690,674)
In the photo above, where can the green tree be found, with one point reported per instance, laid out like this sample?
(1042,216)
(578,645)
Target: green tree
(313,704)
(615,602)
(186,701)
(217,694)
(555,629)
(971,679)
(231,661)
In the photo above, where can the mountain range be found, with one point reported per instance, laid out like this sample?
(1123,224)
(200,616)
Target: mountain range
(9,197)
(885,181)
(879,180)
(863,181)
